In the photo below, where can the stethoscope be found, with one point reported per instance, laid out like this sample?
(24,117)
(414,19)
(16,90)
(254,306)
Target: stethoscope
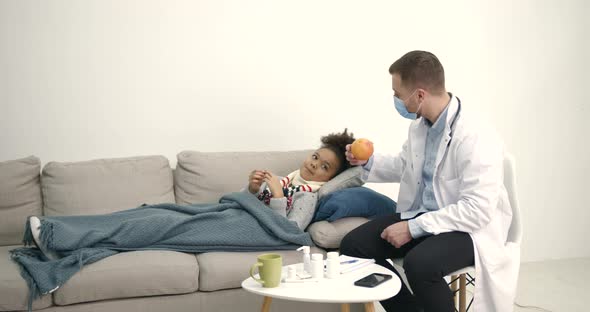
(457,114)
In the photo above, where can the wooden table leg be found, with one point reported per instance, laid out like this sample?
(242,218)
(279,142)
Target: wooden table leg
(345,307)
(266,304)
(369,307)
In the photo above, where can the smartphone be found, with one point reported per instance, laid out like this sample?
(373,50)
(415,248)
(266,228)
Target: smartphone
(372,280)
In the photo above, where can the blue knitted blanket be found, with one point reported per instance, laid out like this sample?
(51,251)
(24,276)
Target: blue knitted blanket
(239,222)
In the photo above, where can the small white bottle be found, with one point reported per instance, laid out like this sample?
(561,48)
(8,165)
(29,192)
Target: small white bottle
(333,265)
(317,266)
(292,272)
(291,275)
(306,259)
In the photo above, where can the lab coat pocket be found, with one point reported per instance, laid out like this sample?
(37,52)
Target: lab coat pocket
(407,191)
(449,190)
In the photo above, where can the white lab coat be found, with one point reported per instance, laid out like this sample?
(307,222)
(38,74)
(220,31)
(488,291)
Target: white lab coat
(468,186)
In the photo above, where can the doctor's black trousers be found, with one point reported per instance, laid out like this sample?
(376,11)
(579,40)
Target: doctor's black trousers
(427,260)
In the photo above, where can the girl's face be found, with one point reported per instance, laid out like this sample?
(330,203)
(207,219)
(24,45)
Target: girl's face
(321,166)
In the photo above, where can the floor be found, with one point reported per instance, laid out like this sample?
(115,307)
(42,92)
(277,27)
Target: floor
(555,286)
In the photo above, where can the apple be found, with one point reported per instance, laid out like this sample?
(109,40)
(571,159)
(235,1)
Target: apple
(362,149)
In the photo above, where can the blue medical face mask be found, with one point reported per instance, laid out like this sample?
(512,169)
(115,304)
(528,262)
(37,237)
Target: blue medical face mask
(401,108)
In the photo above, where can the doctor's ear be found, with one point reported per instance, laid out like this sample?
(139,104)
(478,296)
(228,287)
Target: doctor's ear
(421,93)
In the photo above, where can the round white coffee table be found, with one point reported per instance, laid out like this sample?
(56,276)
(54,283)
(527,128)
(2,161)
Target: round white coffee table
(339,290)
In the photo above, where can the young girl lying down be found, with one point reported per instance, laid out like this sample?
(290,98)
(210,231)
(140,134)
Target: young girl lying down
(293,197)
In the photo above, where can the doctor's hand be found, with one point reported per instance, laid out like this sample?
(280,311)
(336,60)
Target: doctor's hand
(397,234)
(351,159)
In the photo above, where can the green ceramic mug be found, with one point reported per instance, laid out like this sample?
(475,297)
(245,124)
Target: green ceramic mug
(270,267)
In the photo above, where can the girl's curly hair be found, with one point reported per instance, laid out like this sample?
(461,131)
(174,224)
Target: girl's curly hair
(336,142)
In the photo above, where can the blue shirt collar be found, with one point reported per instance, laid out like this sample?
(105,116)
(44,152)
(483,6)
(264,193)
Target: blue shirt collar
(440,123)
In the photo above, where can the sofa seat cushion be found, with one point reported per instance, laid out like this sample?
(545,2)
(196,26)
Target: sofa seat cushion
(20,196)
(132,274)
(105,185)
(226,270)
(14,292)
(329,234)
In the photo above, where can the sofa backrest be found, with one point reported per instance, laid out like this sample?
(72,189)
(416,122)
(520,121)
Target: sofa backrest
(109,185)
(20,197)
(105,185)
(202,177)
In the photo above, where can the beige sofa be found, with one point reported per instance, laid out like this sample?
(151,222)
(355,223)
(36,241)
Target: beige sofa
(144,280)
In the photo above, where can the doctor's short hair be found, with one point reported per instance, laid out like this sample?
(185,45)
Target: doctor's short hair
(420,69)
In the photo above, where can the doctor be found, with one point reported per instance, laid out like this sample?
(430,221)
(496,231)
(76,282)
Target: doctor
(452,210)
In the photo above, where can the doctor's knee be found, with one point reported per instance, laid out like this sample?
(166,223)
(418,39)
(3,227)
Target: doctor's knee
(420,267)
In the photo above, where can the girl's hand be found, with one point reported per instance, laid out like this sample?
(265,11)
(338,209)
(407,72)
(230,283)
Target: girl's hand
(255,180)
(274,184)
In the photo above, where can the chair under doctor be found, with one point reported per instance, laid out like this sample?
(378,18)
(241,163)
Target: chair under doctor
(463,277)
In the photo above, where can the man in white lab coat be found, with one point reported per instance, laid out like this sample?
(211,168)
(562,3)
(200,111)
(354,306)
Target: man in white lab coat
(452,210)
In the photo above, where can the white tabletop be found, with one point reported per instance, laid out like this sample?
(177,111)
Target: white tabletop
(338,290)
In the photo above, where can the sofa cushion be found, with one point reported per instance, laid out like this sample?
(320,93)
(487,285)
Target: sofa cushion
(105,185)
(225,270)
(329,234)
(132,274)
(14,292)
(204,177)
(20,196)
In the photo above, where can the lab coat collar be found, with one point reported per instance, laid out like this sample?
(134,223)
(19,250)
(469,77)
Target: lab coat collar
(418,132)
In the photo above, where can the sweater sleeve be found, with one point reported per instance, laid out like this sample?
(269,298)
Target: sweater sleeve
(279,205)
(304,204)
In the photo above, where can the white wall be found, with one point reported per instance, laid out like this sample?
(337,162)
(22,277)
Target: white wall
(90,79)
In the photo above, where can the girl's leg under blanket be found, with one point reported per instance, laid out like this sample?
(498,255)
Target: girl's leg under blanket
(124,229)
